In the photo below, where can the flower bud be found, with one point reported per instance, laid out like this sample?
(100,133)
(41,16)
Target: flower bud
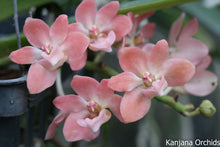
(207,109)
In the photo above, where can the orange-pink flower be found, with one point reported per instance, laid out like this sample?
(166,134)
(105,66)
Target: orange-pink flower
(183,45)
(102,27)
(85,112)
(136,36)
(51,47)
(146,76)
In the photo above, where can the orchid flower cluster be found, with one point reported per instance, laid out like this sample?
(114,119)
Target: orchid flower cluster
(149,70)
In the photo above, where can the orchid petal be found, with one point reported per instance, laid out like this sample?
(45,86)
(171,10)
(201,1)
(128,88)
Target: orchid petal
(122,47)
(134,105)
(75,44)
(103,43)
(158,55)
(134,22)
(191,49)
(175,30)
(178,71)
(85,86)
(134,60)
(203,64)
(202,84)
(114,106)
(37,32)
(148,30)
(96,122)
(57,120)
(150,92)
(104,94)
(160,85)
(46,64)
(76,27)
(73,131)
(107,13)
(125,81)
(70,103)
(78,63)
(86,12)
(107,99)
(26,55)
(121,25)
(147,48)
(189,29)
(39,78)
(58,30)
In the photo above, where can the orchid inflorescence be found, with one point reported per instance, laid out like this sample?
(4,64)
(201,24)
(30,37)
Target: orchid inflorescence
(149,70)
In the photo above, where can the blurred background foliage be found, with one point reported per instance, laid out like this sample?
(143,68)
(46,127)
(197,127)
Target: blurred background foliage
(160,123)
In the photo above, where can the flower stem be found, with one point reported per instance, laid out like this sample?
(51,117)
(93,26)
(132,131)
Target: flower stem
(175,105)
(17,29)
(193,113)
(59,85)
(16,23)
(102,69)
(98,57)
(167,90)
(206,108)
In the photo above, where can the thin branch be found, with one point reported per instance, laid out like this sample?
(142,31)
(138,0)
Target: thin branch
(103,69)
(17,29)
(99,56)
(59,85)
(175,105)
(16,23)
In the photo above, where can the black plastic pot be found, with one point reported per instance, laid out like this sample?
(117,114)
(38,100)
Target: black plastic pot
(13,97)
(13,103)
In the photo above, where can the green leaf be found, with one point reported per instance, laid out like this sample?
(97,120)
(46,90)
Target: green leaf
(7,11)
(143,6)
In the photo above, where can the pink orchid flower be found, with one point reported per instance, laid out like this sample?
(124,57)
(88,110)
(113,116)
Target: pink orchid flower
(147,76)
(85,112)
(102,27)
(51,47)
(181,43)
(203,82)
(137,37)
